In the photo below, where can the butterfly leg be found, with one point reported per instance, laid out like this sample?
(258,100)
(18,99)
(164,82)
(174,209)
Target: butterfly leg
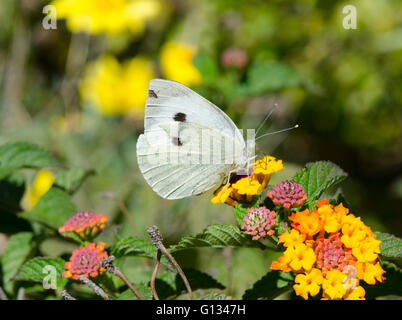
(227,183)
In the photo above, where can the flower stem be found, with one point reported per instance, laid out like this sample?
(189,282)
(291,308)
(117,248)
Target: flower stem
(67,296)
(156,238)
(98,290)
(154,273)
(107,263)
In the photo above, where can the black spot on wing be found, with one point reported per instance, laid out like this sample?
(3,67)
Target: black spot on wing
(176,141)
(152,94)
(181,117)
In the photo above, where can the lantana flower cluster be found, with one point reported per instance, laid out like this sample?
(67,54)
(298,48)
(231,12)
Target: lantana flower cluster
(287,194)
(330,250)
(242,189)
(259,222)
(86,261)
(85,224)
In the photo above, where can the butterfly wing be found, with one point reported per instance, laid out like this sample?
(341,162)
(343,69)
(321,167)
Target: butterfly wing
(172,101)
(171,156)
(172,178)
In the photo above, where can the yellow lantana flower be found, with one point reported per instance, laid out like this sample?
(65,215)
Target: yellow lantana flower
(368,250)
(177,63)
(117,89)
(308,283)
(265,167)
(370,273)
(247,186)
(333,286)
(42,184)
(353,232)
(291,238)
(300,257)
(107,16)
(357,293)
(268,165)
(222,194)
(307,223)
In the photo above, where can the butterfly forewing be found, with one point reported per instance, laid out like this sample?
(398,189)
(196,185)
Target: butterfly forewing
(188,143)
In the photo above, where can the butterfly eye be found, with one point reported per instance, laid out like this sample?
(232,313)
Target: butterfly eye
(181,117)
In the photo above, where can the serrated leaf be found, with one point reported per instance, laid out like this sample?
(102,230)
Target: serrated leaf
(392,285)
(18,248)
(53,209)
(143,289)
(171,284)
(317,177)
(273,284)
(42,268)
(217,236)
(71,180)
(17,155)
(391,246)
(138,248)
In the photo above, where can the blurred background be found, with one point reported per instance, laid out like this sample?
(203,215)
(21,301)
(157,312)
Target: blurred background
(77,86)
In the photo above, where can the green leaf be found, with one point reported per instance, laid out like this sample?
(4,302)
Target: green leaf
(317,177)
(143,289)
(391,286)
(241,210)
(170,284)
(138,248)
(273,284)
(18,248)
(391,246)
(53,209)
(71,180)
(40,269)
(217,236)
(269,76)
(17,155)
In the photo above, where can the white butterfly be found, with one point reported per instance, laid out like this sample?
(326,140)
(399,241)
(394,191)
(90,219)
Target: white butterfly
(188,144)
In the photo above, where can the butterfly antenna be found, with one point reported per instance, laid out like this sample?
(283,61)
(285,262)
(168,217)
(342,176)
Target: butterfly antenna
(279,131)
(266,118)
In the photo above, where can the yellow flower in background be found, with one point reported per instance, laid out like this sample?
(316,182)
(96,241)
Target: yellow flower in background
(107,16)
(117,89)
(42,184)
(177,63)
